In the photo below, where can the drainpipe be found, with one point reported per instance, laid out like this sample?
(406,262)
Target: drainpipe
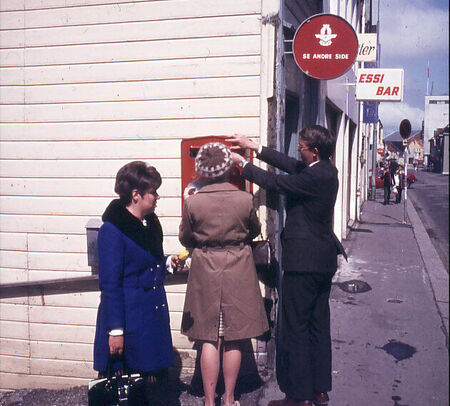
(280,90)
(360,192)
(374,158)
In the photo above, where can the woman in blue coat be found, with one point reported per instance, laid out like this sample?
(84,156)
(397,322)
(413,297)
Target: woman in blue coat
(133,317)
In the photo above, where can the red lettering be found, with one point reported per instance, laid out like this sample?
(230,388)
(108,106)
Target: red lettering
(380,90)
(395,91)
(371,78)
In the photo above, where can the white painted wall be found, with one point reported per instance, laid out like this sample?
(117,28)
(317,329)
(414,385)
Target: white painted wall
(436,116)
(341,92)
(85,87)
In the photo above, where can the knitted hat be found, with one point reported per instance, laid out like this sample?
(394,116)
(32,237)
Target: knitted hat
(213,160)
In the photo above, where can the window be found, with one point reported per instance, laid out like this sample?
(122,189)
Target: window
(438,102)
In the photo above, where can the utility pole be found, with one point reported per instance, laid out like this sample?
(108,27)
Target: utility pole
(405,131)
(406,184)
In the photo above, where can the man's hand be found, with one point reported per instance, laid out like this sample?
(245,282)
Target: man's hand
(176,262)
(243,142)
(116,345)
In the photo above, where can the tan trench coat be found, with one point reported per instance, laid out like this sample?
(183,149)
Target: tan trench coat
(218,222)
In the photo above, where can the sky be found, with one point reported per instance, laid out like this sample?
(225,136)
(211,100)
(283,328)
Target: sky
(413,33)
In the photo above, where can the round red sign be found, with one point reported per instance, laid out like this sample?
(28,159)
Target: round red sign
(325,46)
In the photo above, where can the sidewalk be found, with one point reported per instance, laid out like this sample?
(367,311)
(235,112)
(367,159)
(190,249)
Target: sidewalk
(390,344)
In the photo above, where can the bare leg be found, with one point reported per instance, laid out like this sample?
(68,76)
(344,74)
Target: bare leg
(210,364)
(232,356)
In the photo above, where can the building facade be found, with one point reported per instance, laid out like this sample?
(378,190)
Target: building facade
(89,85)
(415,148)
(436,116)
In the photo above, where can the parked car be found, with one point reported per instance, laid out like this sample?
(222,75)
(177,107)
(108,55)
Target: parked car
(379,182)
(410,178)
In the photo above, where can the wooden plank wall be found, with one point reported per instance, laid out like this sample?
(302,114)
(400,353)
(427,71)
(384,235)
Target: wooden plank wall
(85,87)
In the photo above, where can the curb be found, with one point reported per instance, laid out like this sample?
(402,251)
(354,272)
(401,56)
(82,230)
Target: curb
(437,275)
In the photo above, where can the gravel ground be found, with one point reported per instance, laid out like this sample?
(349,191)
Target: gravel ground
(167,394)
(76,396)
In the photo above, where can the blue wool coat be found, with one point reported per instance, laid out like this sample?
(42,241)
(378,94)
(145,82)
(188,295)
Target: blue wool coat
(131,272)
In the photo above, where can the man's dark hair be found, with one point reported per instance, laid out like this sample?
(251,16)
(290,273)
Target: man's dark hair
(319,137)
(136,175)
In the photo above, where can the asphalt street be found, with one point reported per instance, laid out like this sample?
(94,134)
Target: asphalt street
(429,195)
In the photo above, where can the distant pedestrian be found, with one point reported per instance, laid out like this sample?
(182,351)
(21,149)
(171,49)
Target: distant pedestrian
(387,183)
(399,183)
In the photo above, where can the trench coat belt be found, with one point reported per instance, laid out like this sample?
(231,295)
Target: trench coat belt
(219,246)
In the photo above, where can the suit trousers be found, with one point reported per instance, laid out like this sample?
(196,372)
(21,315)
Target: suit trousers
(387,194)
(304,359)
(398,199)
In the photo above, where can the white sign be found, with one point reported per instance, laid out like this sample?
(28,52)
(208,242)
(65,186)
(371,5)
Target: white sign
(367,48)
(379,84)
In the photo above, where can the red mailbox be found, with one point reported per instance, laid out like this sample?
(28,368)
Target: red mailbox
(189,149)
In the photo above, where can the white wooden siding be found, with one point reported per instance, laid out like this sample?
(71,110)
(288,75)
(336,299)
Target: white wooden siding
(73,187)
(240,65)
(11,346)
(130,91)
(139,110)
(121,130)
(11,275)
(131,31)
(85,87)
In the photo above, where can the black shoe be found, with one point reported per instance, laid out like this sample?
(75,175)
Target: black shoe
(321,399)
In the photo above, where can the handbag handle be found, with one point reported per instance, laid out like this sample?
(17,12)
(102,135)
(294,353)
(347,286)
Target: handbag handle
(109,366)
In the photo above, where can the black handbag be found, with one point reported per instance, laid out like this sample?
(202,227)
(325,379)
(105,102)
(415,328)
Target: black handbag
(265,262)
(262,253)
(118,388)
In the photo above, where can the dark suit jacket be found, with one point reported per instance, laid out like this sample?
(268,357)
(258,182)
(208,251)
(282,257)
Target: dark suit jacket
(387,179)
(308,241)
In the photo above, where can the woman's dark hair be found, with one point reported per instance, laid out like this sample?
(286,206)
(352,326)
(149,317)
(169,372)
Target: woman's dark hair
(136,175)
(319,137)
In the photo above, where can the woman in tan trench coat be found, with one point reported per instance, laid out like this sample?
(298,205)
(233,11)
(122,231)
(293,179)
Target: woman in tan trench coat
(223,302)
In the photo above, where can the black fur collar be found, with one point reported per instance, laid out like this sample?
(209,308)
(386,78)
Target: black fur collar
(149,237)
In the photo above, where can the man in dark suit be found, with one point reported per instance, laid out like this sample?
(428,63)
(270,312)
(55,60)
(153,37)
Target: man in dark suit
(309,260)
(387,183)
